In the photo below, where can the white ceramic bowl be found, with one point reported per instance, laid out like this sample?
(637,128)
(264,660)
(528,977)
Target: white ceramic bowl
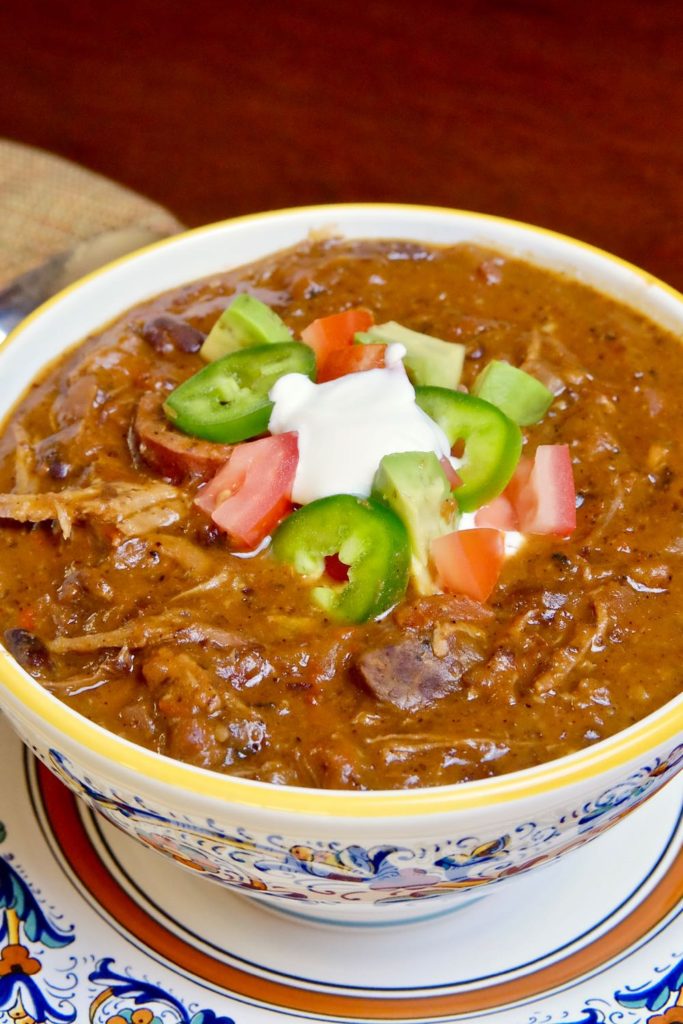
(357,857)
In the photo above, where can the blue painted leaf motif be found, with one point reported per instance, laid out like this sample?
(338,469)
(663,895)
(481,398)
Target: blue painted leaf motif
(655,996)
(20,986)
(16,895)
(372,861)
(122,986)
(62,767)
(622,794)
(459,865)
(351,863)
(139,991)
(209,1017)
(590,1016)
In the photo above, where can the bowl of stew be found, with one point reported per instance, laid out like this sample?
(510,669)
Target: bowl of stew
(340,550)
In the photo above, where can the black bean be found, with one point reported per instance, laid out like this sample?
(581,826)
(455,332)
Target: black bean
(28,649)
(561,558)
(171,334)
(208,535)
(58,469)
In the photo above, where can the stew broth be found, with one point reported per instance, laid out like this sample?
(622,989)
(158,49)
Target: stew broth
(126,602)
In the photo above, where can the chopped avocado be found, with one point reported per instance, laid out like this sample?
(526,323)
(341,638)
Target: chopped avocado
(247,321)
(429,361)
(519,395)
(415,487)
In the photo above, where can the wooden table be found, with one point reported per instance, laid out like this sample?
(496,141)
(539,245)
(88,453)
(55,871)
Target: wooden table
(568,115)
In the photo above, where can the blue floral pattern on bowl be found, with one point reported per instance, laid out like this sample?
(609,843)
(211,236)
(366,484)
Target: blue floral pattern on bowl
(310,870)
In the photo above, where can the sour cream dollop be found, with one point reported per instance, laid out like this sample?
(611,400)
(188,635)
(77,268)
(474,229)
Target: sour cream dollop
(346,427)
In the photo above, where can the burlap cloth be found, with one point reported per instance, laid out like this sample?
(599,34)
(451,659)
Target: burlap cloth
(52,211)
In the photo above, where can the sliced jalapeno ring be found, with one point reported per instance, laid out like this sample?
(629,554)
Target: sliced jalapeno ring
(367,537)
(493,443)
(227,401)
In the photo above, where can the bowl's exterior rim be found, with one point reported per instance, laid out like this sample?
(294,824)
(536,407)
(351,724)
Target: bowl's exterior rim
(625,748)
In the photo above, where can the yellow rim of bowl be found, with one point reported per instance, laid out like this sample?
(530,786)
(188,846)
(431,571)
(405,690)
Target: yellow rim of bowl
(638,741)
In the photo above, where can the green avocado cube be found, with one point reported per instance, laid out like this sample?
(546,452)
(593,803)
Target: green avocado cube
(429,361)
(415,487)
(519,395)
(247,321)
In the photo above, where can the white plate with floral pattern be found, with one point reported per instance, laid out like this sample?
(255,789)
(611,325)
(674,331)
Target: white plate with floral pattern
(94,927)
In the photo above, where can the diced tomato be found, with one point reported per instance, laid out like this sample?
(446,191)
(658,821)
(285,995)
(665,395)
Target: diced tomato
(329,333)
(469,561)
(499,514)
(253,491)
(545,502)
(520,479)
(452,475)
(353,359)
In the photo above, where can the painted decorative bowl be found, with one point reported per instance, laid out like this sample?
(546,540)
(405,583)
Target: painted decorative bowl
(354,857)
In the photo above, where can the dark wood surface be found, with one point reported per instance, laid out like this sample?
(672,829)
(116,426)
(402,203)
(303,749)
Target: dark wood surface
(568,115)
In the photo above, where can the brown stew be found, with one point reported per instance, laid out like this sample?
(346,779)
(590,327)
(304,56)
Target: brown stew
(124,600)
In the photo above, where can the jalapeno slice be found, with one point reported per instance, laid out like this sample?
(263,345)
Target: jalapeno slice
(227,401)
(493,443)
(366,536)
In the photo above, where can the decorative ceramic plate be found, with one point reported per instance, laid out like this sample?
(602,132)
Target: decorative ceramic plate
(94,927)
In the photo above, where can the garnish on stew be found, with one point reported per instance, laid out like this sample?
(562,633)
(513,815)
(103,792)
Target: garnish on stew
(382,394)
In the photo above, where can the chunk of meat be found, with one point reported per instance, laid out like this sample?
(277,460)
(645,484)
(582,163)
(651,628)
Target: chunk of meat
(72,416)
(498,676)
(139,719)
(140,509)
(206,719)
(52,454)
(76,399)
(428,611)
(148,630)
(194,559)
(38,508)
(337,763)
(409,674)
(26,479)
(168,452)
(609,624)
(133,508)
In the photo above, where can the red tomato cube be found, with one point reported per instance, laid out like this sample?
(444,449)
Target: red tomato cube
(251,494)
(329,333)
(499,514)
(469,561)
(353,359)
(545,502)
